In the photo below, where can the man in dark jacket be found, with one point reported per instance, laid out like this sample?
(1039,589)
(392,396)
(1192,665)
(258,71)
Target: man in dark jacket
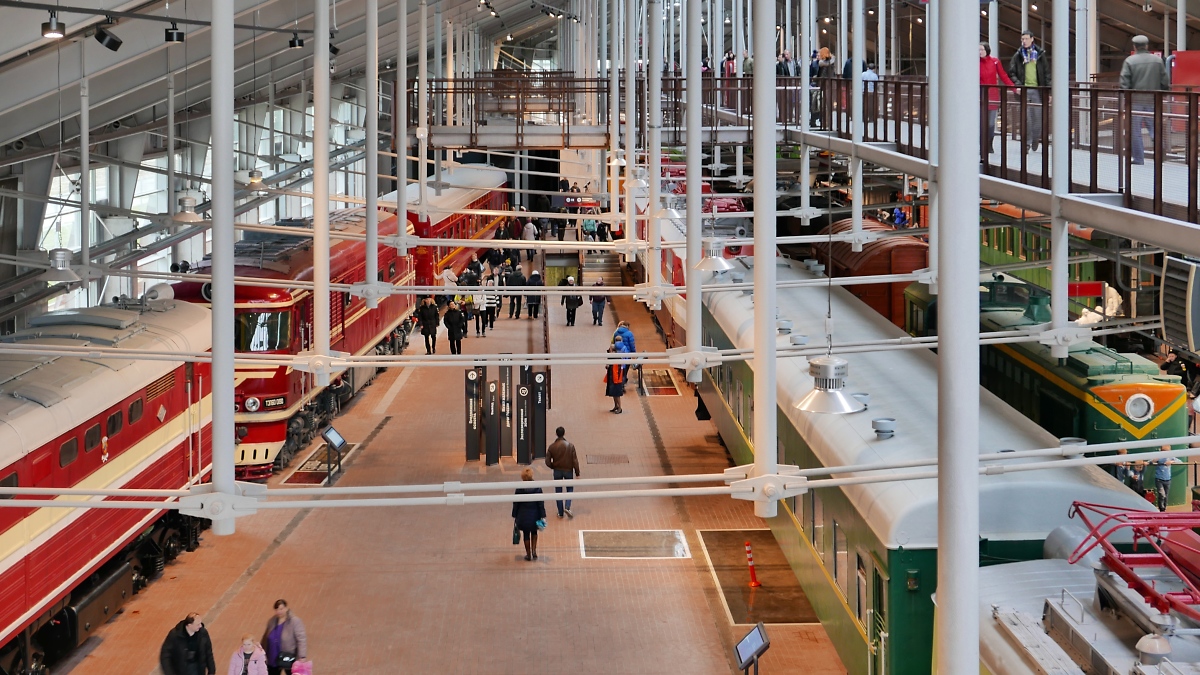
(427,316)
(188,649)
(561,457)
(1030,68)
(456,327)
(515,281)
(571,302)
(1143,71)
(533,302)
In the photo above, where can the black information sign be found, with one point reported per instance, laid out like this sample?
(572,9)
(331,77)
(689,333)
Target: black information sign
(523,424)
(506,411)
(526,374)
(538,415)
(492,423)
(474,427)
(549,396)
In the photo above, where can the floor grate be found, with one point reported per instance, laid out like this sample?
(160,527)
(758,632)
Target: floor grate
(660,382)
(633,544)
(608,459)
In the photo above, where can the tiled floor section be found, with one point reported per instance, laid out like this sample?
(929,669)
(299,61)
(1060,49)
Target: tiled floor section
(436,589)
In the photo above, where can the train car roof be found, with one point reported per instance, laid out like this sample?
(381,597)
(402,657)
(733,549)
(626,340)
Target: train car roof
(903,384)
(467,180)
(1085,359)
(41,397)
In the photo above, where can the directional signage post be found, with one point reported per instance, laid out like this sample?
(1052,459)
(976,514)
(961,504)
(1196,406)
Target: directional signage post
(474,428)
(506,411)
(492,424)
(524,396)
(538,415)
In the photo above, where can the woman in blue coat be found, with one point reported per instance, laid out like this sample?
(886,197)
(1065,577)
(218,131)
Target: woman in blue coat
(525,516)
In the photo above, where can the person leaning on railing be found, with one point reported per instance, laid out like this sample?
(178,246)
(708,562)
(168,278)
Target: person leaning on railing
(991,76)
(1143,71)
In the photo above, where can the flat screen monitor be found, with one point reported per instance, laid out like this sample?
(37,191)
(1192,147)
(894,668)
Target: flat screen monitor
(752,646)
(334,439)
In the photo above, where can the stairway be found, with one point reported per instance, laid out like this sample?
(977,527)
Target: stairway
(605,266)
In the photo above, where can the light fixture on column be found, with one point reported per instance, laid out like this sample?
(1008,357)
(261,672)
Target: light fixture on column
(53,28)
(60,266)
(173,34)
(296,42)
(713,261)
(187,211)
(829,379)
(106,37)
(255,176)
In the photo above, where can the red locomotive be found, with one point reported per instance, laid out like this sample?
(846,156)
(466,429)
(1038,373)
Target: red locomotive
(95,423)
(279,409)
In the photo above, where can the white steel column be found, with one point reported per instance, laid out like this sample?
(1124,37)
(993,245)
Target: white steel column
(1083,40)
(993,11)
(450,74)
(630,117)
(1093,19)
(1060,156)
(372,103)
(223,237)
(603,26)
(932,55)
(788,36)
(400,101)
(614,112)
(172,198)
(692,133)
(856,129)
(654,103)
(765,408)
(807,36)
(957,648)
(85,182)
(881,38)
(423,114)
(843,38)
(1180,25)
(320,182)
(1024,16)
(895,51)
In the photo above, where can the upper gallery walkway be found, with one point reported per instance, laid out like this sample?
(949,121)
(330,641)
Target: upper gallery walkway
(550,110)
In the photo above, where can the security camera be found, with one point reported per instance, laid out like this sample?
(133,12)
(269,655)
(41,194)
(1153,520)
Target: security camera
(1147,7)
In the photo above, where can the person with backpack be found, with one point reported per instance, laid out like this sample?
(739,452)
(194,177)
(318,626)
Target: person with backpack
(571,302)
(598,303)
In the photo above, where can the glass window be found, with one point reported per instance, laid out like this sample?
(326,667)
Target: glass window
(818,525)
(262,331)
(840,560)
(67,452)
(91,438)
(115,422)
(135,411)
(9,481)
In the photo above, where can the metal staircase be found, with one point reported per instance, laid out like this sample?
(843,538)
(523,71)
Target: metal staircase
(605,266)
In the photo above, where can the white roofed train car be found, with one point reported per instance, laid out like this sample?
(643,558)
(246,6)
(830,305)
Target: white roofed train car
(866,554)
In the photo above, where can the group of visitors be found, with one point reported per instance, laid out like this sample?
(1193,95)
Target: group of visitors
(283,648)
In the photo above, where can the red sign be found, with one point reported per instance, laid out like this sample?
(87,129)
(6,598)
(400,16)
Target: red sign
(1086,289)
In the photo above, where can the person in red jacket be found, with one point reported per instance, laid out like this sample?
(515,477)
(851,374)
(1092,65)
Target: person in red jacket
(991,76)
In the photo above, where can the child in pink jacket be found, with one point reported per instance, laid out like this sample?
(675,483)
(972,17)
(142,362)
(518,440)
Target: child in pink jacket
(249,659)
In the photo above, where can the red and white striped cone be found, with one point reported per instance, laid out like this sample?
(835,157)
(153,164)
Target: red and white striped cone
(750,561)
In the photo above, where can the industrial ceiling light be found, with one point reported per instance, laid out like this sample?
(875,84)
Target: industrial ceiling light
(106,37)
(173,34)
(53,28)
(714,261)
(60,266)
(509,37)
(255,176)
(829,378)
(187,211)
(493,12)
(296,42)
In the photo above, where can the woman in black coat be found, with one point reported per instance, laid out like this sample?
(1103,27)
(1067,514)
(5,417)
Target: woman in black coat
(525,516)
(456,327)
(534,302)
(427,316)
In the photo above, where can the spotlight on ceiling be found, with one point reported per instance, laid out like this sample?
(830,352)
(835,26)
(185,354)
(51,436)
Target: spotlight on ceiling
(173,34)
(493,12)
(60,266)
(255,176)
(509,37)
(296,42)
(106,37)
(53,28)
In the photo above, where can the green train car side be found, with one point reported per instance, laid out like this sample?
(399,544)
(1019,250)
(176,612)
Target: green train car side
(1096,393)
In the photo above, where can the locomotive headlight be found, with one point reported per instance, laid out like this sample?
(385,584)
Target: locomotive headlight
(253,404)
(1139,407)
